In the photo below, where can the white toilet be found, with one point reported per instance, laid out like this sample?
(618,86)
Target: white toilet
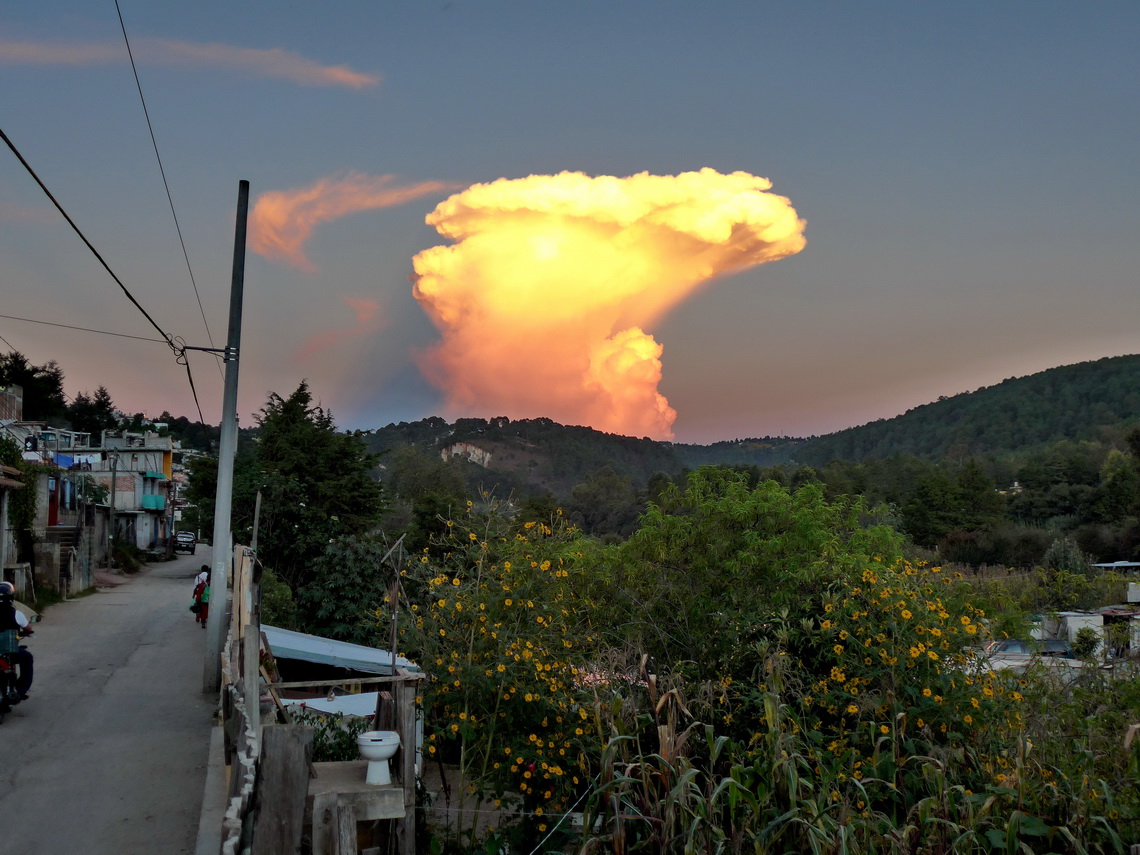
(378,747)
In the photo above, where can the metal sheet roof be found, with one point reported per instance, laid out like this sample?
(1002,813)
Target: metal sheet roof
(287,644)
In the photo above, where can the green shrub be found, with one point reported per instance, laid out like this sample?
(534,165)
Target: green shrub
(334,734)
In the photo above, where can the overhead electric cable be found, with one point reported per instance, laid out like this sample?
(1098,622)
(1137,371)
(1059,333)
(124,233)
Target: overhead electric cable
(162,172)
(81,329)
(166,336)
(179,350)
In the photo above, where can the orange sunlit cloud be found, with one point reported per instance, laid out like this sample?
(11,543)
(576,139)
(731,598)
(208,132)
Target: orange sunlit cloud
(368,320)
(544,296)
(282,221)
(271,62)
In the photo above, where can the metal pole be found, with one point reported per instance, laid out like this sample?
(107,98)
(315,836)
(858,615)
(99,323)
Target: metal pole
(222,551)
(256,522)
(111,513)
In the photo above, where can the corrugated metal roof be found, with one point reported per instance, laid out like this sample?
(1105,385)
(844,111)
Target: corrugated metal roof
(287,644)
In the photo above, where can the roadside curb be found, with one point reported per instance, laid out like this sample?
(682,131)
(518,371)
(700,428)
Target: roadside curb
(213,798)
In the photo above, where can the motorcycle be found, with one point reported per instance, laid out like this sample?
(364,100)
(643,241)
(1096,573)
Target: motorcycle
(9,646)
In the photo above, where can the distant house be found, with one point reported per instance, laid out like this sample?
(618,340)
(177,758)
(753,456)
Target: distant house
(10,479)
(73,516)
(138,471)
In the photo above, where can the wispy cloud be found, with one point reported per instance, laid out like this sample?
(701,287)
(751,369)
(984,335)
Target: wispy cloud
(282,221)
(272,62)
(369,319)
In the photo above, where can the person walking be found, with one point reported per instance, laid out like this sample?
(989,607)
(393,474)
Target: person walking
(202,595)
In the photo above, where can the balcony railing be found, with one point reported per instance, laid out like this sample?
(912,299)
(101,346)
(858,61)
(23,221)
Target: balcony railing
(154,503)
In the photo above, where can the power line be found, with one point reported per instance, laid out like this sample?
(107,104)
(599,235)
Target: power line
(162,172)
(81,329)
(178,349)
(166,337)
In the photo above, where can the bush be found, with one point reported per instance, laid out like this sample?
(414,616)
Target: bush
(334,734)
(1086,642)
(128,556)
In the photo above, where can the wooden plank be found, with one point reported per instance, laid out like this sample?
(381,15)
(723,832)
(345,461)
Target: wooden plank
(251,674)
(406,726)
(272,675)
(283,784)
(351,681)
(323,823)
(344,842)
(281,708)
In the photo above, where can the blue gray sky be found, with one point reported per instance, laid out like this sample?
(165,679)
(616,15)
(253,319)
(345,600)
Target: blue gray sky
(966,172)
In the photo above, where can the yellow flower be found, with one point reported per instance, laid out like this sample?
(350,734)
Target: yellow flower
(906,614)
(884,729)
(852,709)
(455,582)
(508,602)
(926,693)
(825,625)
(838,648)
(472,536)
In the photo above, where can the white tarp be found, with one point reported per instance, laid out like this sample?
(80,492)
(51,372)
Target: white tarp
(287,644)
(363,704)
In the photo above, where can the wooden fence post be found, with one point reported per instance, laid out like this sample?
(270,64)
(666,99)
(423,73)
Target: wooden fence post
(344,841)
(405,696)
(283,784)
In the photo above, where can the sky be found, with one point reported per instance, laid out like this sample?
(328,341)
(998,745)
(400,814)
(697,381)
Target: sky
(689,221)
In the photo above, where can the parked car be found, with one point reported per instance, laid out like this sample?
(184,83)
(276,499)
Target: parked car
(1031,647)
(185,541)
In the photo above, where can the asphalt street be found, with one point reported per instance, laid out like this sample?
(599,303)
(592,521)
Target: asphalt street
(109,753)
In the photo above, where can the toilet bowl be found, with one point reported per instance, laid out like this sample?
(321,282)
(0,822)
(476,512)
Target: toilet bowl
(378,747)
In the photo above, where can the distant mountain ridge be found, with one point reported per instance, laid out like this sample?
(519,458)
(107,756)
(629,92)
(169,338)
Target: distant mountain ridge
(1073,402)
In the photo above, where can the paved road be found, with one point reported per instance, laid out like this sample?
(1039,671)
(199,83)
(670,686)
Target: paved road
(109,753)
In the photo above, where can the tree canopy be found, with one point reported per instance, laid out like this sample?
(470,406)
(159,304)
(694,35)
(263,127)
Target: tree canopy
(42,386)
(316,485)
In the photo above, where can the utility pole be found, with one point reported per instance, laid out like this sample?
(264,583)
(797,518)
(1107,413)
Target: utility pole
(222,550)
(111,514)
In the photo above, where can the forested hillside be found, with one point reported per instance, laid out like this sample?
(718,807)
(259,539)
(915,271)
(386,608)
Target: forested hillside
(1073,402)
(530,455)
(988,477)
